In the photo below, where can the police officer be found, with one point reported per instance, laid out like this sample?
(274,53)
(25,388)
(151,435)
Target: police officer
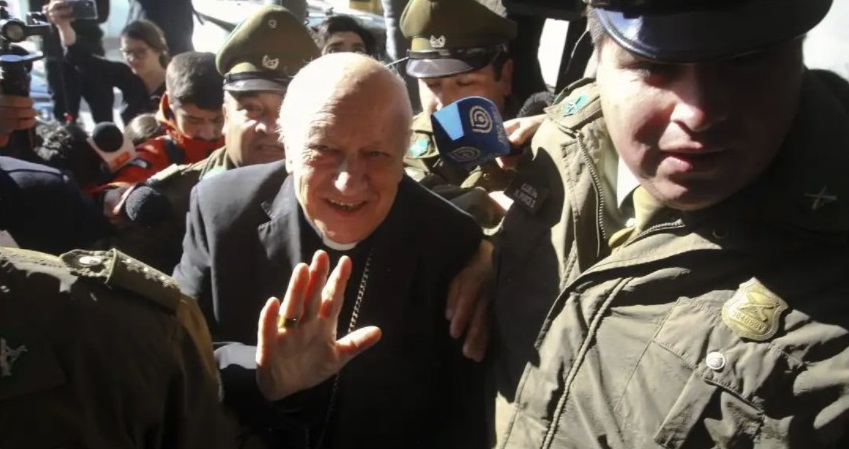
(679,234)
(257,60)
(458,48)
(99,350)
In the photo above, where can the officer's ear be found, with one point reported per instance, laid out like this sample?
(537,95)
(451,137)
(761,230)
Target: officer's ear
(507,77)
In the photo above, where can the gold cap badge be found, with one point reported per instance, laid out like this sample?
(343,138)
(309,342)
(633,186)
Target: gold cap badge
(754,311)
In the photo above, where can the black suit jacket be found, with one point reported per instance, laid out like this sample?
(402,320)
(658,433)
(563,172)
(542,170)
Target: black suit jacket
(44,210)
(245,233)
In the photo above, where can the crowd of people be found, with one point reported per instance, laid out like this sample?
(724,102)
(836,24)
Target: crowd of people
(276,252)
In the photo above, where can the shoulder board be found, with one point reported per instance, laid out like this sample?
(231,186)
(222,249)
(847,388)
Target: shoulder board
(118,270)
(168,172)
(576,105)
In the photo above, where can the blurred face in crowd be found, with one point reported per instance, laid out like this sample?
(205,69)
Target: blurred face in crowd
(344,41)
(251,127)
(346,151)
(436,93)
(695,134)
(197,123)
(139,56)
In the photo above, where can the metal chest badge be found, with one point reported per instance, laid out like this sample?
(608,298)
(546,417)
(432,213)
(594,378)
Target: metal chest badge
(754,312)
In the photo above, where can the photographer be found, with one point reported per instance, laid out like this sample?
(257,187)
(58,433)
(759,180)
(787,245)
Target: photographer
(141,80)
(67,86)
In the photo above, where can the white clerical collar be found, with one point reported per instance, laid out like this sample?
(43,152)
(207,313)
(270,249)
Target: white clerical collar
(335,245)
(626,182)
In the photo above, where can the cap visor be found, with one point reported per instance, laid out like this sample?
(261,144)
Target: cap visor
(255,85)
(712,34)
(442,67)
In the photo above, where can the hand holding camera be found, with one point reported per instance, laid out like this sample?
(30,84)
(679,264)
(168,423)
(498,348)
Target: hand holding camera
(63,12)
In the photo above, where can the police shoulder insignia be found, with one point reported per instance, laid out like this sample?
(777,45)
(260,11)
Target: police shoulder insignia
(754,312)
(122,271)
(573,106)
(419,147)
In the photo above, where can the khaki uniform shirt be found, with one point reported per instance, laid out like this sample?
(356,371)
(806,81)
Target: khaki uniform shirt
(725,327)
(161,245)
(99,351)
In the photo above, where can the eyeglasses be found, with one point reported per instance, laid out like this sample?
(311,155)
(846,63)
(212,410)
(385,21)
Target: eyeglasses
(136,53)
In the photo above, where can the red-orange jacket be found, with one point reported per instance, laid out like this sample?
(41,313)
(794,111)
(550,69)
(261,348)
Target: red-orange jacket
(159,152)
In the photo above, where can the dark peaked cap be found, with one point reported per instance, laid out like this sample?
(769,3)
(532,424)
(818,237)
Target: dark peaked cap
(449,37)
(681,31)
(265,51)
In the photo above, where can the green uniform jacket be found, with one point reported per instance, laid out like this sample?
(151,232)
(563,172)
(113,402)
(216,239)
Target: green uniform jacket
(466,190)
(680,338)
(161,245)
(99,351)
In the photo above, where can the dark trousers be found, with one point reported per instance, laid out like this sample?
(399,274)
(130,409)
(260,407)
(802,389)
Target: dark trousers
(174,17)
(67,87)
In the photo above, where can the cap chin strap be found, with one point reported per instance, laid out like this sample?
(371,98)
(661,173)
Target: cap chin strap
(457,53)
(269,76)
(392,64)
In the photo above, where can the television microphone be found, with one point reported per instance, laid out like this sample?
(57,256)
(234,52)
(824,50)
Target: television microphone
(147,206)
(111,145)
(470,132)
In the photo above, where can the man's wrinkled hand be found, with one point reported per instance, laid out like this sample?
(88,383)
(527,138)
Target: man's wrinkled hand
(469,297)
(297,346)
(16,113)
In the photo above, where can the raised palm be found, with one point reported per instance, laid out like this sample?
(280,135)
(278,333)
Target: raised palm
(297,346)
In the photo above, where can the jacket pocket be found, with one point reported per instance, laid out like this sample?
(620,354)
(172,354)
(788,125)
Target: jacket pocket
(698,385)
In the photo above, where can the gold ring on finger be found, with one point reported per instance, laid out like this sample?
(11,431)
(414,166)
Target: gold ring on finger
(287,323)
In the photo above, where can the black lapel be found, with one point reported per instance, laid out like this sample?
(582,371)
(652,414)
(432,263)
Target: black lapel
(280,239)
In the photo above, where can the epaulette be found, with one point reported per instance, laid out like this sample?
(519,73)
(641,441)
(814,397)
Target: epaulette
(119,270)
(577,105)
(168,172)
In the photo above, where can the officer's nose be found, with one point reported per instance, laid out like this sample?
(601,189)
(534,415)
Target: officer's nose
(702,98)
(266,125)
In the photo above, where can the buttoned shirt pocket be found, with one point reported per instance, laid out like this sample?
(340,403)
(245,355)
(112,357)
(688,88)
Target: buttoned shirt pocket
(699,385)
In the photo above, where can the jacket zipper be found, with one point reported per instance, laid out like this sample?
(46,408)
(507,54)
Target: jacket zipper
(601,232)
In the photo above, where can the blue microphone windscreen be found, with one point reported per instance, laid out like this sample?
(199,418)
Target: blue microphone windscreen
(469,132)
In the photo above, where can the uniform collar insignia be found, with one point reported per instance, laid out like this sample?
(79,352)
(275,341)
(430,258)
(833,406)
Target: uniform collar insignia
(572,107)
(8,356)
(821,199)
(419,147)
(437,42)
(270,63)
(754,312)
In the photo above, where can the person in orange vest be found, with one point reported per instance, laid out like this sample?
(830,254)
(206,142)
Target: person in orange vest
(191,115)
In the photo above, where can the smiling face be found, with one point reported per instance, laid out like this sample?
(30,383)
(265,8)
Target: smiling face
(345,155)
(695,134)
(250,127)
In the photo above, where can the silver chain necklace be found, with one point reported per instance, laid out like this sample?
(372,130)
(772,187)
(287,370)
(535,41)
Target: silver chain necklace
(355,315)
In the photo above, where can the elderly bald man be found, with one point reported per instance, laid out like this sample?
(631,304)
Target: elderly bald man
(341,197)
